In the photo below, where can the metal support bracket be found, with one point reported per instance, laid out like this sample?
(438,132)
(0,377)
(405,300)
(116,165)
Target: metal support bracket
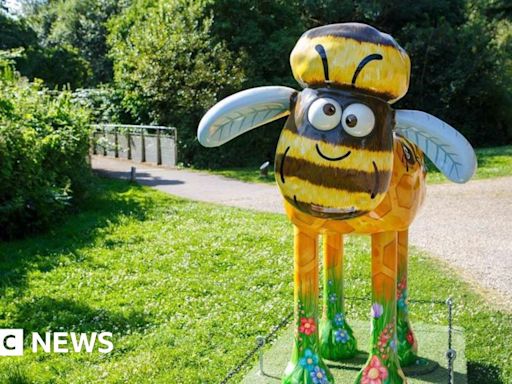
(451,354)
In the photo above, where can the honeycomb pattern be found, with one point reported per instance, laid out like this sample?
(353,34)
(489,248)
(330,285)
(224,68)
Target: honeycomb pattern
(383,209)
(384,264)
(404,197)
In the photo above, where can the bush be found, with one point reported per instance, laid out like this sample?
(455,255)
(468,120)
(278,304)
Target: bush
(104,102)
(43,155)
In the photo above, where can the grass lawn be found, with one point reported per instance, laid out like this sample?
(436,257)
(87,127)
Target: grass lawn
(185,287)
(492,162)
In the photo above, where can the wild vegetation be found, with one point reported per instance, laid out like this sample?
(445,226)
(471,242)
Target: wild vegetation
(43,152)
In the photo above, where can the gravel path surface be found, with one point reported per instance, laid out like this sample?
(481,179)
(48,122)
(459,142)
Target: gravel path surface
(469,226)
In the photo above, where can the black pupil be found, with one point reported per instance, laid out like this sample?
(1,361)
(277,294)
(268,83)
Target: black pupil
(351,121)
(329,109)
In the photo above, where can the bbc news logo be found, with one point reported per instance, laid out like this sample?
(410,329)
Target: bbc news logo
(11,342)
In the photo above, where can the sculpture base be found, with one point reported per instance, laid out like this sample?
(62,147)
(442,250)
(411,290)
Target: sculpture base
(432,368)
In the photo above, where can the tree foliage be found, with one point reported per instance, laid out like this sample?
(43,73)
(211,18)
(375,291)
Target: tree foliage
(79,27)
(173,59)
(263,33)
(457,59)
(59,67)
(15,33)
(44,142)
(459,70)
(169,67)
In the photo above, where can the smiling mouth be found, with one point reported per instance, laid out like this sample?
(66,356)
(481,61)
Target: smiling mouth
(322,209)
(331,158)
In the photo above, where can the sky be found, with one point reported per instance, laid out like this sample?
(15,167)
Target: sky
(14,6)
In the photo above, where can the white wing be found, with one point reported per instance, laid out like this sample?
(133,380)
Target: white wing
(444,146)
(242,112)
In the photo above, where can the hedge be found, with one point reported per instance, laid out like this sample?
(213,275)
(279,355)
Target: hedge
(43,155)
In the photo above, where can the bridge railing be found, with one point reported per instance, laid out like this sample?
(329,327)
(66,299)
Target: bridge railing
(140,143)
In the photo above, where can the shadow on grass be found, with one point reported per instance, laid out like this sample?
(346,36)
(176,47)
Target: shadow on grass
(484,373)
(107,203)
(48,314)
(14,375)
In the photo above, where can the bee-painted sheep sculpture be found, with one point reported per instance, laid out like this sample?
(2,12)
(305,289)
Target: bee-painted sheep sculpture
(346,162)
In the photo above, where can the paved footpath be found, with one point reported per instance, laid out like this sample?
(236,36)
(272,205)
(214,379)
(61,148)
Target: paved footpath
(469,226)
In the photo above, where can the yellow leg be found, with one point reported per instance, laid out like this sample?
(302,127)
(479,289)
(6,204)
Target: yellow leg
(383,363)
(306,361)
(336,337)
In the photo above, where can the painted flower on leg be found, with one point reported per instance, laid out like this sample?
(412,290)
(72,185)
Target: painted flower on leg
(333,297)
(402,300)
(392,345)
(339,319)
(385,336)
(377,310)
(383,342)
(309,361)
(307,326)
(375,372)
(318,376)
(341,336)
(410,337)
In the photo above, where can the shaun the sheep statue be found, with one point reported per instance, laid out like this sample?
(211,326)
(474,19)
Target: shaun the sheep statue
(346,162)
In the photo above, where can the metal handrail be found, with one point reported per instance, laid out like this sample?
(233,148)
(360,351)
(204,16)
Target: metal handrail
(135,127)
(128,129)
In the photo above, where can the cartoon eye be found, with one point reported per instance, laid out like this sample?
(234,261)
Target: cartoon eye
(324,114)
(358,120)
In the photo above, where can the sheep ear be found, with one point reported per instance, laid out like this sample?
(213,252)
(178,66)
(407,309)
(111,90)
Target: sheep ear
(444,146)
(242,112)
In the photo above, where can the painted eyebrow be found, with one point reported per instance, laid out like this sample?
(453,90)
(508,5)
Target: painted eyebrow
(366,60)
(321,51)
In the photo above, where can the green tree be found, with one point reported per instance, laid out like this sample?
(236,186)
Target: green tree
(244,44)
(458,63)
(14,33)
(169,68)
(78,26)
(59,67)
(262,33)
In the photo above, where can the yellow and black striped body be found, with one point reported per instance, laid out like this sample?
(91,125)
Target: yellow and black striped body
(397,210)
(333,174)
(324,167)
